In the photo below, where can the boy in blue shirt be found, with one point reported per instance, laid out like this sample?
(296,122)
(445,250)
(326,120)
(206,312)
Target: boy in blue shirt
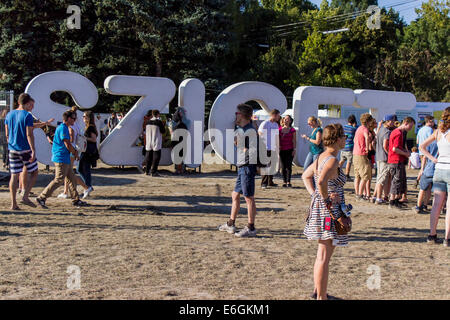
(61,150)
(22,153)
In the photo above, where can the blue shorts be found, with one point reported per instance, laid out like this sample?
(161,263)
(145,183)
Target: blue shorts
(425,182)
(441,180)
(245,183)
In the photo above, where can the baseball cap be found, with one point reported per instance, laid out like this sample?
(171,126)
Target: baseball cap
(390,117)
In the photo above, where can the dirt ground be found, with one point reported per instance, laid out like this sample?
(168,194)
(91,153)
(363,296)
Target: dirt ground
(157,238)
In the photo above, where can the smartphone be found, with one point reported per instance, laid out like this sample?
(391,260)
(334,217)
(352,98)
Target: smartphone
(327,224)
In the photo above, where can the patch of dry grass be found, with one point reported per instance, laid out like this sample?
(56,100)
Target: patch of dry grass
(157,238)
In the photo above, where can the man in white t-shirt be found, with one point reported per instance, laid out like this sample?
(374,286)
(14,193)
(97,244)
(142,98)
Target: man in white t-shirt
(268,130)
(154,130)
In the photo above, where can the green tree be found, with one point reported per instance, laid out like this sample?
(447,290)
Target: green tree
(175,39)
(422,63)
(371,47)
(326,59)
(26,41)
(347,6)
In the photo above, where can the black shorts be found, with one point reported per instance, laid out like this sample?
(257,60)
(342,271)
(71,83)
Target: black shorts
(398,174)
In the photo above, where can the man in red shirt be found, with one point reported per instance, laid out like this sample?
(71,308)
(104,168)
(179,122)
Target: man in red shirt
(397,157)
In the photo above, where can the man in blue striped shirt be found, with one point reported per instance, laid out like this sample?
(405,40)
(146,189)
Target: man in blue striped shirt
(347,152)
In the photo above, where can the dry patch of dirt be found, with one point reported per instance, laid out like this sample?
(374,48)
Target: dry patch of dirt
(157,238)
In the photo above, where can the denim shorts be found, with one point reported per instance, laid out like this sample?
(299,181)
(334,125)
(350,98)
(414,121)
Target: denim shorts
(245,183)
(425,182)
(441,180)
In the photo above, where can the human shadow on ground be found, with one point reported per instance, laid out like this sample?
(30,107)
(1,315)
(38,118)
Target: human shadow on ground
(44,179)
(26,213)
(8,234)
(88,226)
(196,209)
(385,234)
(184,199)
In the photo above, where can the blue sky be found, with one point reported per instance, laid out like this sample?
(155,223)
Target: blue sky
(406,9)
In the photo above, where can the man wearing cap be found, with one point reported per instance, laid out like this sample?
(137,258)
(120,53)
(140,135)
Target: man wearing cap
(381,157)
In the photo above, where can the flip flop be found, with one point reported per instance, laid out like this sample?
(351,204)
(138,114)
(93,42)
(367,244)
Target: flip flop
(15,209)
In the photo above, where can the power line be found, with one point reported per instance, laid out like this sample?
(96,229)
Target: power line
(288,28)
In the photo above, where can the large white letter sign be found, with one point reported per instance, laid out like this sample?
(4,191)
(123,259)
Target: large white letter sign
(191,96)
(222,115)
(306,103)
(82,91)
(382,103)
(119,146)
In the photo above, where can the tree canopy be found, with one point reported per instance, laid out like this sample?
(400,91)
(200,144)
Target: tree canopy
(287,43)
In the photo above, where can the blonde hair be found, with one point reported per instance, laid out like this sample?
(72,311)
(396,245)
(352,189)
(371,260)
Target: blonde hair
(315,120)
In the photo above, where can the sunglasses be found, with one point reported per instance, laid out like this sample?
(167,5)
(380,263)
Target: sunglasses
(236,113)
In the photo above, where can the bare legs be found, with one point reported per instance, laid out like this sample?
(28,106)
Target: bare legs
(364,187)
(438,203)
(22,180)
(356,184)
(447,220)
(423,197)
(28,182)
(324,253)
(13,184)
(236,205)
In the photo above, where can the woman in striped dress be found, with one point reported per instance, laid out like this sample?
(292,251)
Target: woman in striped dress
(328,194)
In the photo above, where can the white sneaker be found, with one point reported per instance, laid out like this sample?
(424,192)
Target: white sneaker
(246,233)
(62,196)
(227,228)
(87,192)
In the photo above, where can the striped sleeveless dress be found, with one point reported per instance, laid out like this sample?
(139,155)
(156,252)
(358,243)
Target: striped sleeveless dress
(314,228)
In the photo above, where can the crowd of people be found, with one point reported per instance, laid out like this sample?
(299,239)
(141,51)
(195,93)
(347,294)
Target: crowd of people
(371,146)
(381,146)
(75,147)
(66,140)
